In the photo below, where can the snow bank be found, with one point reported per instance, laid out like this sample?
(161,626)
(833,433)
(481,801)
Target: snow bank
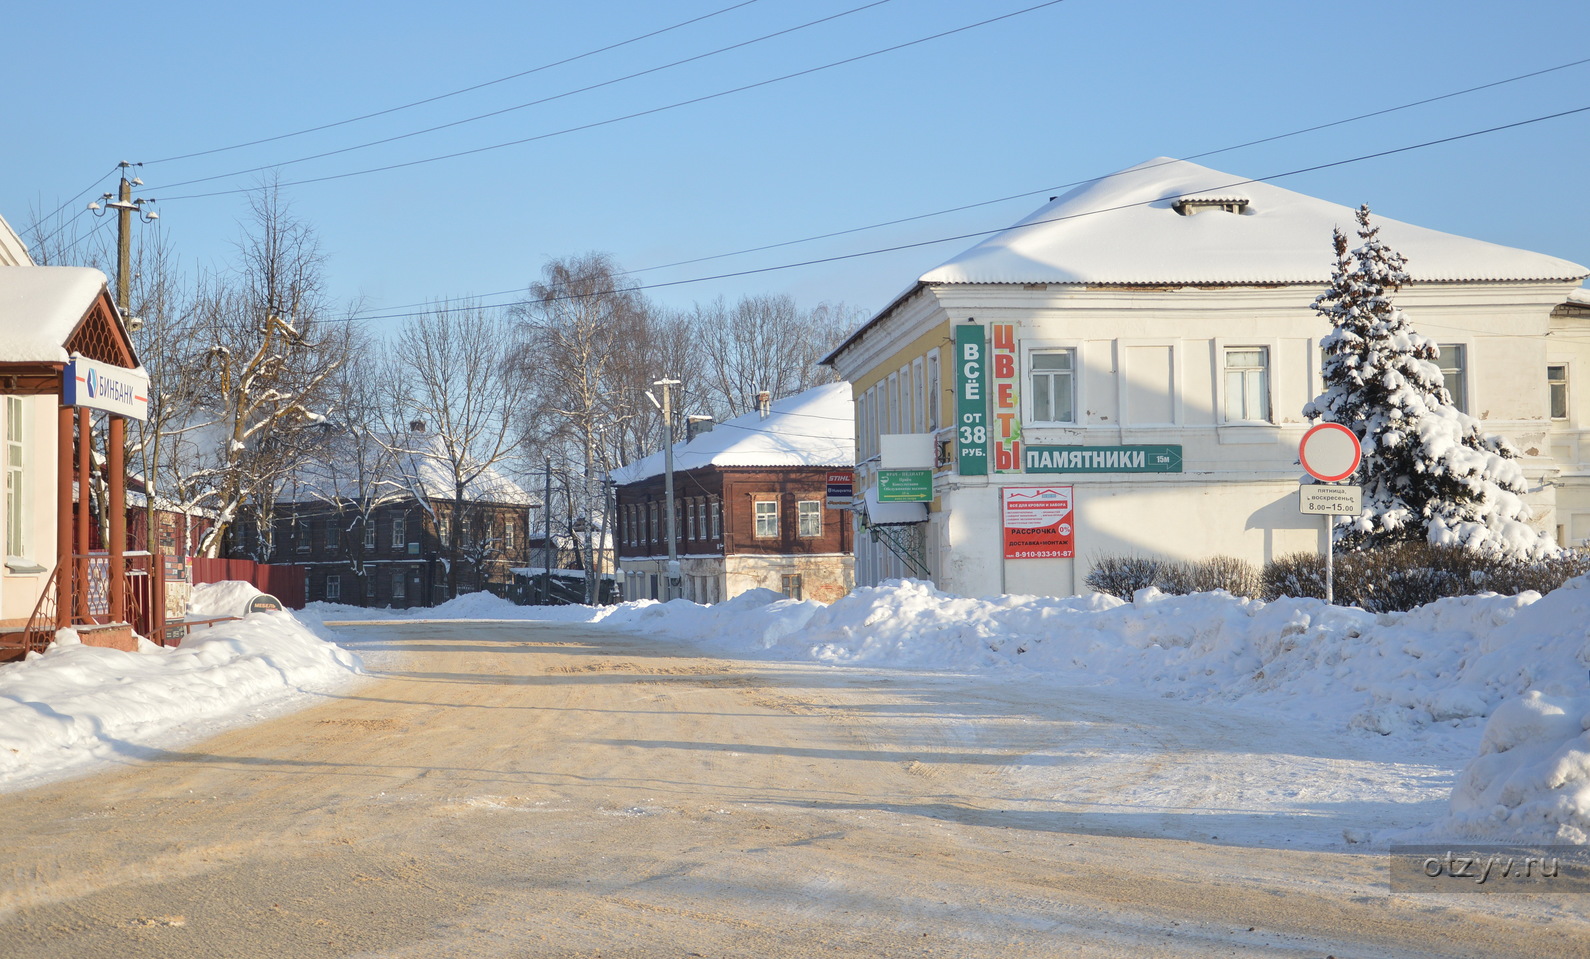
(1451,662)
(74,705)
(1531,780)
(230,598)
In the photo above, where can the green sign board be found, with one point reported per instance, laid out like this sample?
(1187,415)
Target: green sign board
(1102,459)
(905,486)
(971,401)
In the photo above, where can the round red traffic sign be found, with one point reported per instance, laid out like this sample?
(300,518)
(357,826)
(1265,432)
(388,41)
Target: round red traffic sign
(1330,452)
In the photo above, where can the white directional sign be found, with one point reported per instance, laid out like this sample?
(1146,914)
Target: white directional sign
(1331,500)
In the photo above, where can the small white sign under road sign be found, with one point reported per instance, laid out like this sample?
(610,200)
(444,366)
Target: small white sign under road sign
(1335,500)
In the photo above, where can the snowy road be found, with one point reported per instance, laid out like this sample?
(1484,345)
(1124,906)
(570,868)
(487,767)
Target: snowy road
(555,790)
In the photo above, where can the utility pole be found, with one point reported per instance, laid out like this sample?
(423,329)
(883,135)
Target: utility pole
(668,483)
(546,552)
(125,206)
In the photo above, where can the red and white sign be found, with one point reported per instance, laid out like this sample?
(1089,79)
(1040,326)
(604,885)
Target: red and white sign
(1038,522)
(1330,452)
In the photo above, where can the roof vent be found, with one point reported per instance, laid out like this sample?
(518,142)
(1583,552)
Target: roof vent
(416,426)
(1190,205)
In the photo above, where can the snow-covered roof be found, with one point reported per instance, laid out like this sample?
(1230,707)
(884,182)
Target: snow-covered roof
(13,252)
(1579,297)
(40,306)
(814,428)
(1123,229)
(418,466)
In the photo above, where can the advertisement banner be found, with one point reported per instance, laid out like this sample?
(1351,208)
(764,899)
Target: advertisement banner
(1006,419)
(841,489)
(101,386)
(971,402)
(1038,522)
(1103,459)
(905,486)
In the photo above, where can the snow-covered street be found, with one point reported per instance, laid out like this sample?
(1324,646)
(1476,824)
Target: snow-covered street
(523,788)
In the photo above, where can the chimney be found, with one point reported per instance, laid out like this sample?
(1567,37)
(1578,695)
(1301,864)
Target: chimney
(416,426)
(764,403)
(696,424)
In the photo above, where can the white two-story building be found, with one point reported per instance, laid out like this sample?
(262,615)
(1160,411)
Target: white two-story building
(1144,346)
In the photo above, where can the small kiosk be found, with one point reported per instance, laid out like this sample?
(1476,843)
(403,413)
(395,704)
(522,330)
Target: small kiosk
(65,355)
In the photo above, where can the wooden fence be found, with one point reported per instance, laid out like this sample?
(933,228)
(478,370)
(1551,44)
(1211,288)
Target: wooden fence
(286,583)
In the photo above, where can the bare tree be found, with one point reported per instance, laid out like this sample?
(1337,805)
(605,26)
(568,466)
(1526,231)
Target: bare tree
(268,354)
(586,370)
(454,368)
(763,343)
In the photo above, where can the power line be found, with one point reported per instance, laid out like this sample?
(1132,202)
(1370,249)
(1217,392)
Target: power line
(468,89)
(532,103)
(1064,186)
(1076,183)
(977,234)
(79,196)
(631,116)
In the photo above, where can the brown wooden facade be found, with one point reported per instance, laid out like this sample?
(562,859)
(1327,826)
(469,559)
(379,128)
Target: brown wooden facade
(744,526)
(399,559)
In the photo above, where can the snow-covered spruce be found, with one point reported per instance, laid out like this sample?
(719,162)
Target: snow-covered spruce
(1428,472)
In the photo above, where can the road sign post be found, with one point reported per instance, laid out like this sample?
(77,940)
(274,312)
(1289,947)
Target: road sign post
(1330,452)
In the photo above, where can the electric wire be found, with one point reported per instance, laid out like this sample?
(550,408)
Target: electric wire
(1050,190)
(1075,183)
(522,106)
(630,116)
(468,89)
(978,234)
(78,196)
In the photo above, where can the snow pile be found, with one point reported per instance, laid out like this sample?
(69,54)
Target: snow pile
(480,605)
(76,705)
(1451,662)
(1531,780)
(230,598)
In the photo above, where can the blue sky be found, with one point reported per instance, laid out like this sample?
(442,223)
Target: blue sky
(1060,94)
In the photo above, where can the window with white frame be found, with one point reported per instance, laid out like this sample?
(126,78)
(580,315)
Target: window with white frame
(442,530)
(1054,393)
(717,520)
(809,518)
(1557,390)
(1454,373)
(369,532)
(933,391)
(333,587)
(918,411)
(16,479)
(701,519)
(304,535)
(652,527)
(508,527)
(334,533)
(690,519)
(399,530)
(766,512)
(1247,384)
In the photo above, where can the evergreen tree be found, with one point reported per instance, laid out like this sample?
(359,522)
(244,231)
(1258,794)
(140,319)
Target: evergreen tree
(1428,472)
